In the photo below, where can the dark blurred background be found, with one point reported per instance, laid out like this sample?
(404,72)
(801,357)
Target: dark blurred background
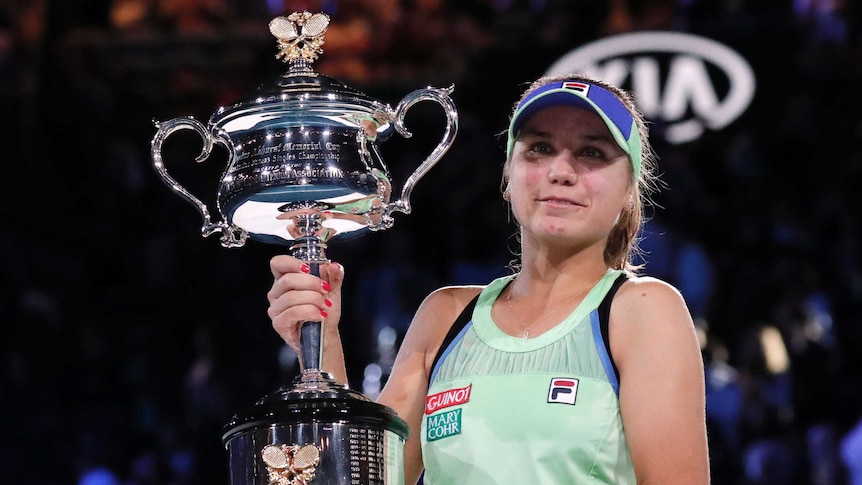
(128,340)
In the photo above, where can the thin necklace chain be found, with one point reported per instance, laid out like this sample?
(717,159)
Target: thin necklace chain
(518,319)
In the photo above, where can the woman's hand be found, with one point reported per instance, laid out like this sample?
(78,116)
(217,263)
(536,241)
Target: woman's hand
(297,296)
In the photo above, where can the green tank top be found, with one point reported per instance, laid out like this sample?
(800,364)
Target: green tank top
(508,410)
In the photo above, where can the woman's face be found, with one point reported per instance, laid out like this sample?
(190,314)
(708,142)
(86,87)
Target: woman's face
(568,179)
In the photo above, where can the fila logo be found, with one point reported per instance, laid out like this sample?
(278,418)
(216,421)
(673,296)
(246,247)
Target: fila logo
(563,390)
(452,397)
(575,86)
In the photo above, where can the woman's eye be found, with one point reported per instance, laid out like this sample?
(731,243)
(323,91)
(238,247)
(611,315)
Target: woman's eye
(541,147)
(593,152)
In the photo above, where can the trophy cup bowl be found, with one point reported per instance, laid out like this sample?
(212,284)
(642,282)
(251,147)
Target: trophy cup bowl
(304,167)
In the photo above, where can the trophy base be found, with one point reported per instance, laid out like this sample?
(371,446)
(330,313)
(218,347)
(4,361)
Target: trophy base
(317,429)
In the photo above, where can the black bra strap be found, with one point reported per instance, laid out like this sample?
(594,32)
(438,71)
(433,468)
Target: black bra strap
(605,315)
(460,322)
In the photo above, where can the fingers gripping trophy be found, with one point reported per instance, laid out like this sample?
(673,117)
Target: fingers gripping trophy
(304,168)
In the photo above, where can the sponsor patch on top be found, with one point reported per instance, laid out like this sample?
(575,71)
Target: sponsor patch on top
(443,425)
(563,390)
(445,399)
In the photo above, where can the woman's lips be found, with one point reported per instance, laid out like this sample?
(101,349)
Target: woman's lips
(559,201)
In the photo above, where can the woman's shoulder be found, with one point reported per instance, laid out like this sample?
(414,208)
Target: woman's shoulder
(435,317)
(647,292)
(649,300)
(649,315)
(441,308)
(450,301)
(648,307)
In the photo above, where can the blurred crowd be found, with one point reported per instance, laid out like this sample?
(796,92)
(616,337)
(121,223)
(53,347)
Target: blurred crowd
(128,340)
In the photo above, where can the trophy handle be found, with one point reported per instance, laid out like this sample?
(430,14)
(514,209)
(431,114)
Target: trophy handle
(232,236)
(440,96)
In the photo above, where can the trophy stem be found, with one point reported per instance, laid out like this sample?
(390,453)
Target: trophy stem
(310,249)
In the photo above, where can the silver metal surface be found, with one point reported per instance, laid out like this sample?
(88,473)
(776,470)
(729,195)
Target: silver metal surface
(348,454)
(356,441)
(303,168)
(305,140)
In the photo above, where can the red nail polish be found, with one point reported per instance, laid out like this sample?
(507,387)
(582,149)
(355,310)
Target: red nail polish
(305,268)
(327,302)
(323,314)
(326,286)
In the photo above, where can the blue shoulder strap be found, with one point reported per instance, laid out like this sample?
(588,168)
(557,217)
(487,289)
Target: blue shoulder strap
(600,320)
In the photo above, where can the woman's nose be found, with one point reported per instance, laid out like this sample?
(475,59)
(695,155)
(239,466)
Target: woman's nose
(562,170)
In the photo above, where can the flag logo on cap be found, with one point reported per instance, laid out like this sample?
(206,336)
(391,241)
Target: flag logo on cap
(575,86)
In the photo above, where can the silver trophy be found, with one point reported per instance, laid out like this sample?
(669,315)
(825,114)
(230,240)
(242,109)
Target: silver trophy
(304,168)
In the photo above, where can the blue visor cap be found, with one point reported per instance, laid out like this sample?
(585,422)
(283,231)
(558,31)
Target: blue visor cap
(582,95)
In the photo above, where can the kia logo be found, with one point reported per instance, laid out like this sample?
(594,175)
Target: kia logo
(689,82)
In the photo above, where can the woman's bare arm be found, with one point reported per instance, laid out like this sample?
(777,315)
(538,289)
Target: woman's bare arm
(662,395)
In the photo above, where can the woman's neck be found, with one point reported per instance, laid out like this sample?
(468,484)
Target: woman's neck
(549,267)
